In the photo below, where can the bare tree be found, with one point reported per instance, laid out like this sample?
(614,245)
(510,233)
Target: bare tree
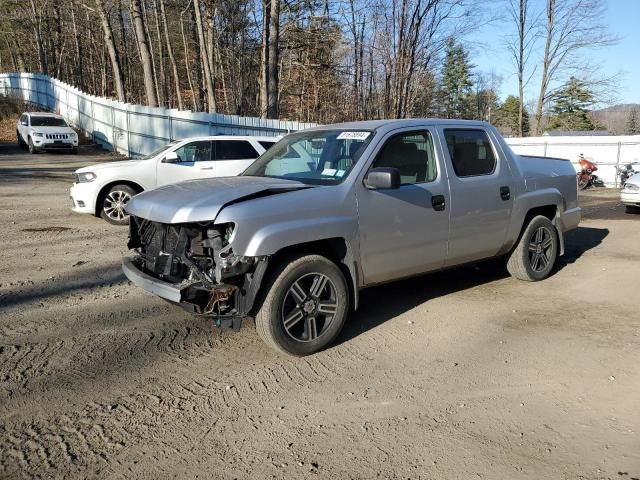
(521,47)
(111,48)
(204,56)
(172,60)
(145,53)
(571,27)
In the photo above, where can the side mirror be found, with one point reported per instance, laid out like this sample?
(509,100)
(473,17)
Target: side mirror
(24,124)
(171,157)
(383,178)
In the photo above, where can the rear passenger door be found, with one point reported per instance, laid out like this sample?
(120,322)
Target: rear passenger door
(232,157)
(481,188)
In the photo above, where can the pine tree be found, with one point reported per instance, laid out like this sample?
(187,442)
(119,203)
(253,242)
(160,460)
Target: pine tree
(571,107)
(507,117)
(632,127)
(455,89)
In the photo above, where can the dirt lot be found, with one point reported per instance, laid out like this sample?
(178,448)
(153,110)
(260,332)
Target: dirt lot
(460,374)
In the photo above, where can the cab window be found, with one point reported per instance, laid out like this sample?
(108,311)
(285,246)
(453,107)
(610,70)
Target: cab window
(412,154)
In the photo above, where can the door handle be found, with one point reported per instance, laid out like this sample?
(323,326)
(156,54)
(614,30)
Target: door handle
(206,168)
(505,193)
(438,202)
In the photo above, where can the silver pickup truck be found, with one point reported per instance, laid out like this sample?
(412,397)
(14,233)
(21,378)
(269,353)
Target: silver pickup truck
(329,211)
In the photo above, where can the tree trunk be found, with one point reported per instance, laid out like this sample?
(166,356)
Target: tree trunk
(172,60)
(145,54)
(208,77)
(264,59)
(111,48)
(38,34)
(274,57)
(79,60)
(544,81)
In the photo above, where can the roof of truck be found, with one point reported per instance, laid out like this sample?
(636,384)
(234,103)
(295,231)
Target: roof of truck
(399,123)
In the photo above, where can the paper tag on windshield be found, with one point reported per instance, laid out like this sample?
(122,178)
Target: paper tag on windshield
(329,172)
(353,135)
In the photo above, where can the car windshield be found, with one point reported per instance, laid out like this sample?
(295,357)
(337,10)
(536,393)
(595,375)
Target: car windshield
(47,121)
(319,157)
(158,151)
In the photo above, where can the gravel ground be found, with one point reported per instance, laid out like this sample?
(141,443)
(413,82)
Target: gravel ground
(460,374)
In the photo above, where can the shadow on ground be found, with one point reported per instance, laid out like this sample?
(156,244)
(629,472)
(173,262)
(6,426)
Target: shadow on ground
(385,302)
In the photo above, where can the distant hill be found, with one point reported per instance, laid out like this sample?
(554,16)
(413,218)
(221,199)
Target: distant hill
(615,118)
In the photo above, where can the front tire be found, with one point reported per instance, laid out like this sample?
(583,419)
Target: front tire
(535,254)
(305,307)
(113,203)
(32,148)
(21,143)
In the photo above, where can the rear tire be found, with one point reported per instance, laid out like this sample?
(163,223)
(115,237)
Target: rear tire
(113,202)
(535,254)
(305,306)
(583,182)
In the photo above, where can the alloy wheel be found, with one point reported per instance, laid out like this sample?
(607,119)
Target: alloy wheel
(114,204)
(309,307)
(540,249)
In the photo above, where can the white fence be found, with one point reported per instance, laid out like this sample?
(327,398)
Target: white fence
(136,130)
(133,130)
(606,151)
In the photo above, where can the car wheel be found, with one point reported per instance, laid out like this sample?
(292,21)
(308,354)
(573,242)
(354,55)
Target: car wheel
(74,151)
(32,148)
(20,141)
(305,306)
(113,203)
(535,254)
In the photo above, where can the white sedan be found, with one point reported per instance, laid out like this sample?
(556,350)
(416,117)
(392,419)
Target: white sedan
(630,194)
(104,189)
(39,131)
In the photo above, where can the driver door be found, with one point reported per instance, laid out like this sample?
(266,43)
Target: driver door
(194,161)
(405,231)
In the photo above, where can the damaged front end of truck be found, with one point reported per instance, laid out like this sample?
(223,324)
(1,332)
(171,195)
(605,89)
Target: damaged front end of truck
(194,266)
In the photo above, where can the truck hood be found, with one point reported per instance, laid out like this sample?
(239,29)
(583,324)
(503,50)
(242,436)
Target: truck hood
(201,200)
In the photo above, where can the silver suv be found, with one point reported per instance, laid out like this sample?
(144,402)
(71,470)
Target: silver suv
(334,209)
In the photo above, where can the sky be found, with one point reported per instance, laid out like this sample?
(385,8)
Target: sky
(622,18)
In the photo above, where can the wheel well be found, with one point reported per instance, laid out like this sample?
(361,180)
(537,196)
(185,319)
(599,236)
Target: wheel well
(106,188)
(335,249)
(548,211)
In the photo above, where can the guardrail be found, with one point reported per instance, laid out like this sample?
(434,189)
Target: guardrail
(133,130)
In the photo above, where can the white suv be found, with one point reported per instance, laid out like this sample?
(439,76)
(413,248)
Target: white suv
(104,189)
(45,131)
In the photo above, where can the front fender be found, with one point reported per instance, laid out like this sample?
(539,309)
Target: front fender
(271,238)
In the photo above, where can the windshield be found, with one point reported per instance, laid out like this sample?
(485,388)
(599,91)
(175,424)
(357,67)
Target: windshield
(47,122)
(320,157)
(158,151)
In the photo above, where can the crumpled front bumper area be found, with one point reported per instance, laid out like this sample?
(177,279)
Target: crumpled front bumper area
(166,290)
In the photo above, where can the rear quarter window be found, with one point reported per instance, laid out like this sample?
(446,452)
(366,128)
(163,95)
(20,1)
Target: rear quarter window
(267,145)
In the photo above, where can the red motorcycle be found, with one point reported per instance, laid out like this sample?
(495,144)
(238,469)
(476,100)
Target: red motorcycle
(585,176)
